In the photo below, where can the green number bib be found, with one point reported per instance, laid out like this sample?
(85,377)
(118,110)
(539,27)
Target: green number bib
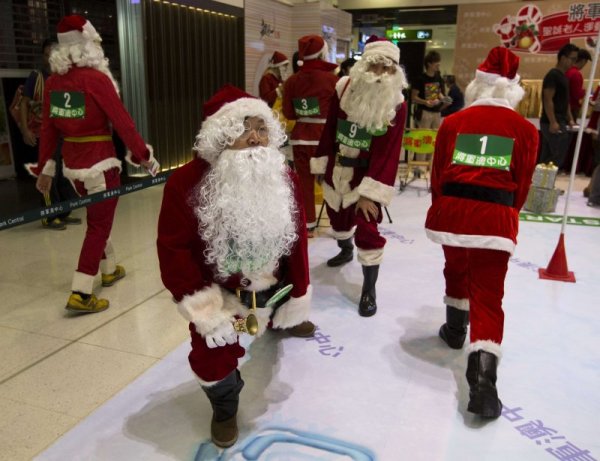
(483,150)
(67,104)
(349,134)
(305,107)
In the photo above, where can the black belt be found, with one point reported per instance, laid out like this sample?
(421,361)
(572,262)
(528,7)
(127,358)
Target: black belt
(481,193)
(246,297)
(352,162)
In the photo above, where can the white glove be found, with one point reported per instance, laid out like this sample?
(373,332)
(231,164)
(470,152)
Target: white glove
(152,166)
(222,334)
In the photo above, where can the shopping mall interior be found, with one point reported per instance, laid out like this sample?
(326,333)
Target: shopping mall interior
(117,385)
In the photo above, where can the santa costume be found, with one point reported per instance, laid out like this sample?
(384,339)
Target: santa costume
(218,253)
(269,85)
(359,153)
(306,99)
(482,167)
(82,106)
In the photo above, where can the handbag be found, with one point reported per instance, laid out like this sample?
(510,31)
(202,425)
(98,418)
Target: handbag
(34,112)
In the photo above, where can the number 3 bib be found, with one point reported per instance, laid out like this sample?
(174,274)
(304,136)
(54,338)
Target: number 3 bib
(305,107)
(487,151)
(67,104)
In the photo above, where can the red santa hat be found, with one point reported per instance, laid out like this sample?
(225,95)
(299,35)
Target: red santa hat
(377,46)
(500,63)
(278,59)
(310,47)
(226,110)
(76,30)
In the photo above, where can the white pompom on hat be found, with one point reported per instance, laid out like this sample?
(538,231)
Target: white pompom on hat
(75,29)
(377,46)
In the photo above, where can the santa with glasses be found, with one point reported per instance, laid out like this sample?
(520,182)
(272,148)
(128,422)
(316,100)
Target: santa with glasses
(231,234)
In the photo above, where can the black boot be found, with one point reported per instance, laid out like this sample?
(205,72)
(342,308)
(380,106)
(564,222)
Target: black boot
(454,331)
(224,399)
(367,306)
(344,256)
(481,376)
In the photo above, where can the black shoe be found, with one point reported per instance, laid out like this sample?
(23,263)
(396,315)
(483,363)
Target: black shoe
(367,306)
(454,331)
(481,376)
(344,256)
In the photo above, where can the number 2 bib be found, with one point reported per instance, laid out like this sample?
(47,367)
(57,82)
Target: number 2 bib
(487,151)
(67,104)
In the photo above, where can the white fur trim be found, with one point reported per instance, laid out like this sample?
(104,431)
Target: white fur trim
(322,52)
(318,165)
(492,79)
(204,309)
(460,304)
(343,235)
(108,265)
(301,142)
(350,198)
(489,242)
(333,199)
(74,37)
(376,191)
(487,346)
(80,174)
(496,102)
(83,283)
(49,168)
(280,64)
(369,257)
(206,383)
(129,156)
(29,167)
(294,311)
(382,48)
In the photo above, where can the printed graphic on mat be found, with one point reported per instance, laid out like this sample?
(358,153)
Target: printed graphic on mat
(277,443)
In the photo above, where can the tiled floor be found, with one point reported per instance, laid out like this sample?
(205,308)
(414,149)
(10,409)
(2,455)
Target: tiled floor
(120,381)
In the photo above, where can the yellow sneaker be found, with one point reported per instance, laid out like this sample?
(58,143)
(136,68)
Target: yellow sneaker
(92,305)
(110,279)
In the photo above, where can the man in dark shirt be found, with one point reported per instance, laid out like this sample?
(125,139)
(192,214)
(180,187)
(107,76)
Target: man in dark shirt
(556,114)
(428,94)
(457,96)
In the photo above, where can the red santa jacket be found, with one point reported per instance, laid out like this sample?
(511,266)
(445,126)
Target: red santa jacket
(470,223)
(81,104)
(267,88)
(344,185)
(313,83)
(185,273)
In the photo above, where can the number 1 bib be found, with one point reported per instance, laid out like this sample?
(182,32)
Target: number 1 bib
(67,104)
(487,151)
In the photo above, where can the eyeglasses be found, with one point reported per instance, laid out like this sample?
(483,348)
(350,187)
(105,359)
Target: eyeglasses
(262,131)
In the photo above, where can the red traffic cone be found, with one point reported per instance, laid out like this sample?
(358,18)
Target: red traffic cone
(557,267)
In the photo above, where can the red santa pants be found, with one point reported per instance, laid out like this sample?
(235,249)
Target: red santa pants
(99,220)
(478,275)
(213,364)
(302,156)
(367,236)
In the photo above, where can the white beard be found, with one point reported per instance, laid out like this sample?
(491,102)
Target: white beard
(371,100)
(245,208)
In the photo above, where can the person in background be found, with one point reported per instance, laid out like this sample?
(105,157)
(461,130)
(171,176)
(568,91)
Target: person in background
(484,159)
(31,108)
(556,119)
(358,156)
(576,89)
(345,67)
(82,106)
(306,98)
(271,82)
(231,233)
(455,94)
(428,93)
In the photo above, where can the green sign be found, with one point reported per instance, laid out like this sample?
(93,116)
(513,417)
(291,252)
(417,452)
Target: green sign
(305,107)
(555,219)
(402,35)
(67,104)
(483,150)
(351,135)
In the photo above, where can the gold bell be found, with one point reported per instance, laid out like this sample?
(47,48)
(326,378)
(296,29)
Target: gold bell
(249,324)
